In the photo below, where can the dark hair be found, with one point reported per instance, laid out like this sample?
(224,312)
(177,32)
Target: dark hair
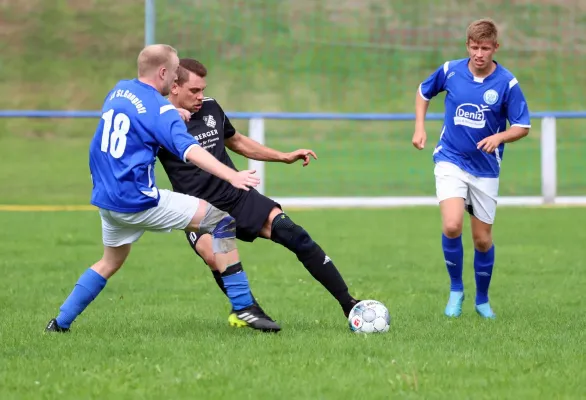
(187,65)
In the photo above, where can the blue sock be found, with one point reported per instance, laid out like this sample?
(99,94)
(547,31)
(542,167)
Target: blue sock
(454,257)
(483,263)
(89,285)
(237,288)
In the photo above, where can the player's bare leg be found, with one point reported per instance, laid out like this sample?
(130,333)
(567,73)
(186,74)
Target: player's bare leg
(483,264)
(206,252)
(282,230)
(226,261)
(203,247)
(452,212)
(112,260)
(89,285)
(297,240)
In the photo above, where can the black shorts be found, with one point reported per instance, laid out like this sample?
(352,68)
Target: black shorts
(250,210)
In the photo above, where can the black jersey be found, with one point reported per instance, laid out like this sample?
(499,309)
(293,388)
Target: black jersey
(210,126)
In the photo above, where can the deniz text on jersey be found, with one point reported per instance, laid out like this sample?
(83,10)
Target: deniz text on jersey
(127,94)
(471,115)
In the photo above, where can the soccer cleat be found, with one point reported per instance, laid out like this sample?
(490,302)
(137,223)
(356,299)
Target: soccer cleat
(52,326)
(454,306)
(260,310)
(348,307)
(485,311)
(253,317)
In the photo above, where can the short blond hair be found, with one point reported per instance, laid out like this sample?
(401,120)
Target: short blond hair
(482,30)
(154,57)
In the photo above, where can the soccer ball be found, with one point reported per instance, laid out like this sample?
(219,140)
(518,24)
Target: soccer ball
(369,316)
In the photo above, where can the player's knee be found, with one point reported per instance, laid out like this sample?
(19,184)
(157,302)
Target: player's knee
(452,227)
(267,227)
(452,224)
(292,236)
(482,241)
(204,248)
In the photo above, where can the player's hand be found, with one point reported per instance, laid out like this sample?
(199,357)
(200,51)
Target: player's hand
(184,114)
(301,154)
(419,139)
(245,180)
(490,143)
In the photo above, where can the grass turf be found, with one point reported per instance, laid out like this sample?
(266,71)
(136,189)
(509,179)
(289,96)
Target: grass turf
(159,328)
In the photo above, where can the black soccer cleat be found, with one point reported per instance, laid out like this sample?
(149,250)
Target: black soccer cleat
(260,310)
(52,326)
(349,306)
(253,317)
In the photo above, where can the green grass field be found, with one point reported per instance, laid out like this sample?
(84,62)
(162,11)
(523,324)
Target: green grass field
(159,328)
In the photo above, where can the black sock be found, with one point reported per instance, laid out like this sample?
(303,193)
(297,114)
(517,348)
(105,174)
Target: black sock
(218,277)
(219,281)
(314,259)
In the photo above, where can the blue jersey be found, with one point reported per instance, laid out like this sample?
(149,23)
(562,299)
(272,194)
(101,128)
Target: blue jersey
(136,121)
(475,108)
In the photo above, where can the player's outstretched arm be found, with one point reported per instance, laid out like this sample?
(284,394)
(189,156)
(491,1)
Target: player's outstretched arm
(420,136)
(206,161)
(249,148)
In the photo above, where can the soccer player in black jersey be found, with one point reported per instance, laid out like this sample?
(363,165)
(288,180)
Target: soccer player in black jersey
(256,215)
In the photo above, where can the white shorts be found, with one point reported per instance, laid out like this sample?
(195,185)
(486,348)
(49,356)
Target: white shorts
(480,194)
(175,211)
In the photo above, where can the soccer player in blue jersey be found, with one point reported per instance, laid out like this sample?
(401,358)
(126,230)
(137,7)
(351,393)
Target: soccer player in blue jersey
(136,121)
(481,96)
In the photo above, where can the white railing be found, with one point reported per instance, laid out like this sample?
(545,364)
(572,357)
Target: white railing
(548,195)
(257,132)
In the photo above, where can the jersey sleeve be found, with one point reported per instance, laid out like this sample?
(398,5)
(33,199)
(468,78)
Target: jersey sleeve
(229,129)
(434,84)
(170,131)
(517,110)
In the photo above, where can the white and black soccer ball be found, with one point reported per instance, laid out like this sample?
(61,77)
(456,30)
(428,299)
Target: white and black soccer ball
(369,316)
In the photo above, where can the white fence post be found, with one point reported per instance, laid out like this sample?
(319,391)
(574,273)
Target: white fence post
(150,15)
(548,160)
(256,131)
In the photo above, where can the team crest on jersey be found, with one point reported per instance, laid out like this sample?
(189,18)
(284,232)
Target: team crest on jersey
(490,97)
(210,121)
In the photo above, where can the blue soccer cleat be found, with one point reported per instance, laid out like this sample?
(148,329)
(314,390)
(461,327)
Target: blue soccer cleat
(454,306)
(485,311)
